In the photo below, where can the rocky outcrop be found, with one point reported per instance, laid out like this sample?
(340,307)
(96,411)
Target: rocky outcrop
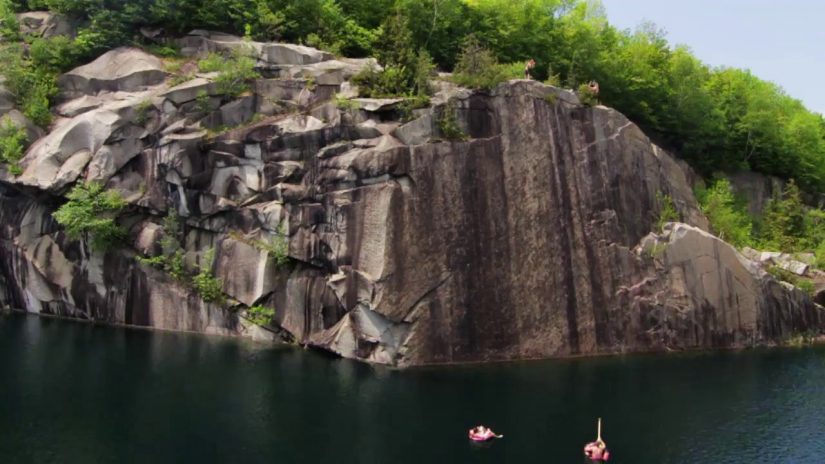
(704,293)
(756,188)
(122,69)
(407,244)
(278,60)
(799,263)
(104,137)
(45,24)
(44,272)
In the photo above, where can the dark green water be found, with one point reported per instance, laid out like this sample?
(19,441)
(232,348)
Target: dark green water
(76,393)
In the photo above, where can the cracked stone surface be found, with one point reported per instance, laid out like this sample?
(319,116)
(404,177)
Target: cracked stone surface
(530,239)
(122,69)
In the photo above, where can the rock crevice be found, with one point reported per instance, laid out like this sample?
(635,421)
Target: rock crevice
(530,239)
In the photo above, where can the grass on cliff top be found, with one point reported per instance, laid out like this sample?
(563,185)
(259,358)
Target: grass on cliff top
(234,71)
(717,118)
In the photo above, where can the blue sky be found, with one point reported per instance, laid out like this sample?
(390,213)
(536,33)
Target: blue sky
(783,42)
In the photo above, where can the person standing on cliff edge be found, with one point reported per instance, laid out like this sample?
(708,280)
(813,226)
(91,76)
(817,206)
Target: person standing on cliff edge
(531,63)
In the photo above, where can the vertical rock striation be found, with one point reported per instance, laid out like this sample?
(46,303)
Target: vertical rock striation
(529,239)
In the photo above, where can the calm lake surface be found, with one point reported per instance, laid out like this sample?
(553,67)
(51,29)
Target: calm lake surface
(78,393)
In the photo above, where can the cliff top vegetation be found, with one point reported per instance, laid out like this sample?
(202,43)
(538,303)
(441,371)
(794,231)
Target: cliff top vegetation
(719,119)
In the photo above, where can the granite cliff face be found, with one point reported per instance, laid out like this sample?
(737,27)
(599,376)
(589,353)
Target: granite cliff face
(531,238)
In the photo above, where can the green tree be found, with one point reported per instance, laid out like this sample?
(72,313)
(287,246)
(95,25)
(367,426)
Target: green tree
(206,284)
(91,213)
(260,315)
(55,54)
(667,211)
(478,68)
(783,221)
(690,123)
(12,144)
(367,13)
(636,77)
(171,258)
(728,218)
(9,27)
(33,87)
(439,26)
(406,71)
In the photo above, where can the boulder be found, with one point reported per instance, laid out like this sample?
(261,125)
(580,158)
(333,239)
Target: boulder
(189,91)
(200,41)
(45,24)
(273,91)
(290,54)
(769,257)
(246,271)
(791,265)
(111,157)
(370,129)
(79,105)
(751,254)
(377,105)
(651,245)
(122,69)
(330,72)
(147,238)
(417,131)
(58,159)
(231,114)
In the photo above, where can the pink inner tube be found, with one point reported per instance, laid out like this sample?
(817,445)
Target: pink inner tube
(488,435)
(595,452)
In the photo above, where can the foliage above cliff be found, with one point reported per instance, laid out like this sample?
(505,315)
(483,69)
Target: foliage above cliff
(785,223)
(728,216)
(718,119)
